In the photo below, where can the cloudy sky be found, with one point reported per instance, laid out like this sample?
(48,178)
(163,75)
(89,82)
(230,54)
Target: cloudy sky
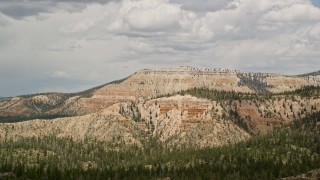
(71,45)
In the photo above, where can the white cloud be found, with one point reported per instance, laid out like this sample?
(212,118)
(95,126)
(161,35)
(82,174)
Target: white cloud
(314,32)
(92,16)
(153,16)
(78,27)
(137,47)
(65,46)
(294,13)
(145,15)
(60,74)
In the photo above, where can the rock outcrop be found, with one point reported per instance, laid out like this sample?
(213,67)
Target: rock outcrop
(262,116)
(187,120)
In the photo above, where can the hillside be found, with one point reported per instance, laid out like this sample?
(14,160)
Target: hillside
(259,114)
(147,84)
(188,124)
(316,73)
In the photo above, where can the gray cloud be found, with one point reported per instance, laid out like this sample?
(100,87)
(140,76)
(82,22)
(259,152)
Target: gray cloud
(204,6)
(19,9)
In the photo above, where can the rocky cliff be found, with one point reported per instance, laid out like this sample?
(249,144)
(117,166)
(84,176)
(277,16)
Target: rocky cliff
(148,84)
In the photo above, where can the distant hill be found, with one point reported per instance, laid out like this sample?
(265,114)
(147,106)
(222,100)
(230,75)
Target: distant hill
(316,73)
(4,98)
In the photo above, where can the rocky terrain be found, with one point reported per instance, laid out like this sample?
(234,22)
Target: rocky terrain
(148,103)
(311,175)
(262,116)
(147,84)
(107,125)
(178,120)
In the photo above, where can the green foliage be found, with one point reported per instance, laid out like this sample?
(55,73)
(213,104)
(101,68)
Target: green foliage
(15,119)
(306,91)
(285,152)
(255,83)
(239,120)
(217,95)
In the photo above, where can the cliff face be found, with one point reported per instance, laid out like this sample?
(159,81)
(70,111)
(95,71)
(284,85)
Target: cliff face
(187,117)
(187,120)
(262,116)
(152,83)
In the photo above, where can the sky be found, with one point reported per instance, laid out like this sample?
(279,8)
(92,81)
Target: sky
(73,45)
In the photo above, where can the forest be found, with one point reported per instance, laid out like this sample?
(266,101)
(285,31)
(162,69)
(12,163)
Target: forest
(287,151)
(307,91)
